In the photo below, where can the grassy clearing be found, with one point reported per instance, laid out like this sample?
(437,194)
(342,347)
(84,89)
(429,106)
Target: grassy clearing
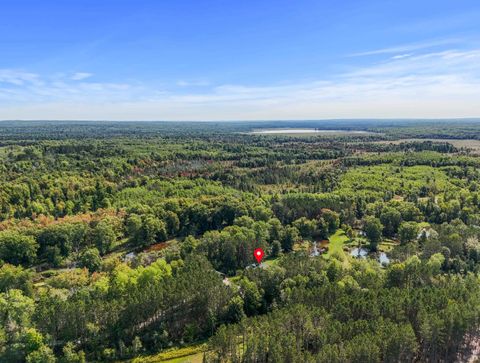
(194,358)
(387,245)
(190,354)
(271,262)
(337,241)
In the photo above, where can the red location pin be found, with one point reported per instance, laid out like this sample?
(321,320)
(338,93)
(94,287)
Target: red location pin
(258,253)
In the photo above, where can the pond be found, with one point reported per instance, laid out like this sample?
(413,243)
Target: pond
(359,252)
(383,259)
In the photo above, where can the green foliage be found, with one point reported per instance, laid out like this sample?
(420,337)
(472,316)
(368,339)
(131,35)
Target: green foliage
(276,249)
(331,219)
(391,219)
(15,277)
(71,356)
(290,237)
(252,297)
(16,248)
(161,213)
(21,342)
(146,230)
(235,310)
(326,330)
(64,238)
(306,227)
(102,236)
(232,248)
(91,259)
(42,355)
(408,232)
(373,230)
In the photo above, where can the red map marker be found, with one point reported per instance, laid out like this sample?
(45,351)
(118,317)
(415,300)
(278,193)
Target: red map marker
(258,253)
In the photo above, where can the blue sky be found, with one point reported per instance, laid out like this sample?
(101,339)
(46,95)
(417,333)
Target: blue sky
(239,60)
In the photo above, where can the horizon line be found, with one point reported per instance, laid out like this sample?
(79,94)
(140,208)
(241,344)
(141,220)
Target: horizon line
(476,118)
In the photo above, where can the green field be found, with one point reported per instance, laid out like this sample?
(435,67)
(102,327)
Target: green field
(336,245)
(190,354)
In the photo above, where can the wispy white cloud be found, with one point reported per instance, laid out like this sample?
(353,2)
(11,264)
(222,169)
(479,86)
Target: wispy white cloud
(79,76)
(404,48)
(400,56)
(193,83)
(434,84)
(18,77)
(24,88)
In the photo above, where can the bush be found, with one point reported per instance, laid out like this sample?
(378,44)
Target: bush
(91,259)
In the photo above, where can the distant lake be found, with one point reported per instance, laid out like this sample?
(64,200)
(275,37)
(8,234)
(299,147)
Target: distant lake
(306,131)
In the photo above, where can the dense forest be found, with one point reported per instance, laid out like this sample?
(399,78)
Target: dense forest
(124,241)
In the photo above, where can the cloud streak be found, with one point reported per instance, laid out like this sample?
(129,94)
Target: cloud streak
(17,77)
(407,48)
(80,76)
(193,83)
